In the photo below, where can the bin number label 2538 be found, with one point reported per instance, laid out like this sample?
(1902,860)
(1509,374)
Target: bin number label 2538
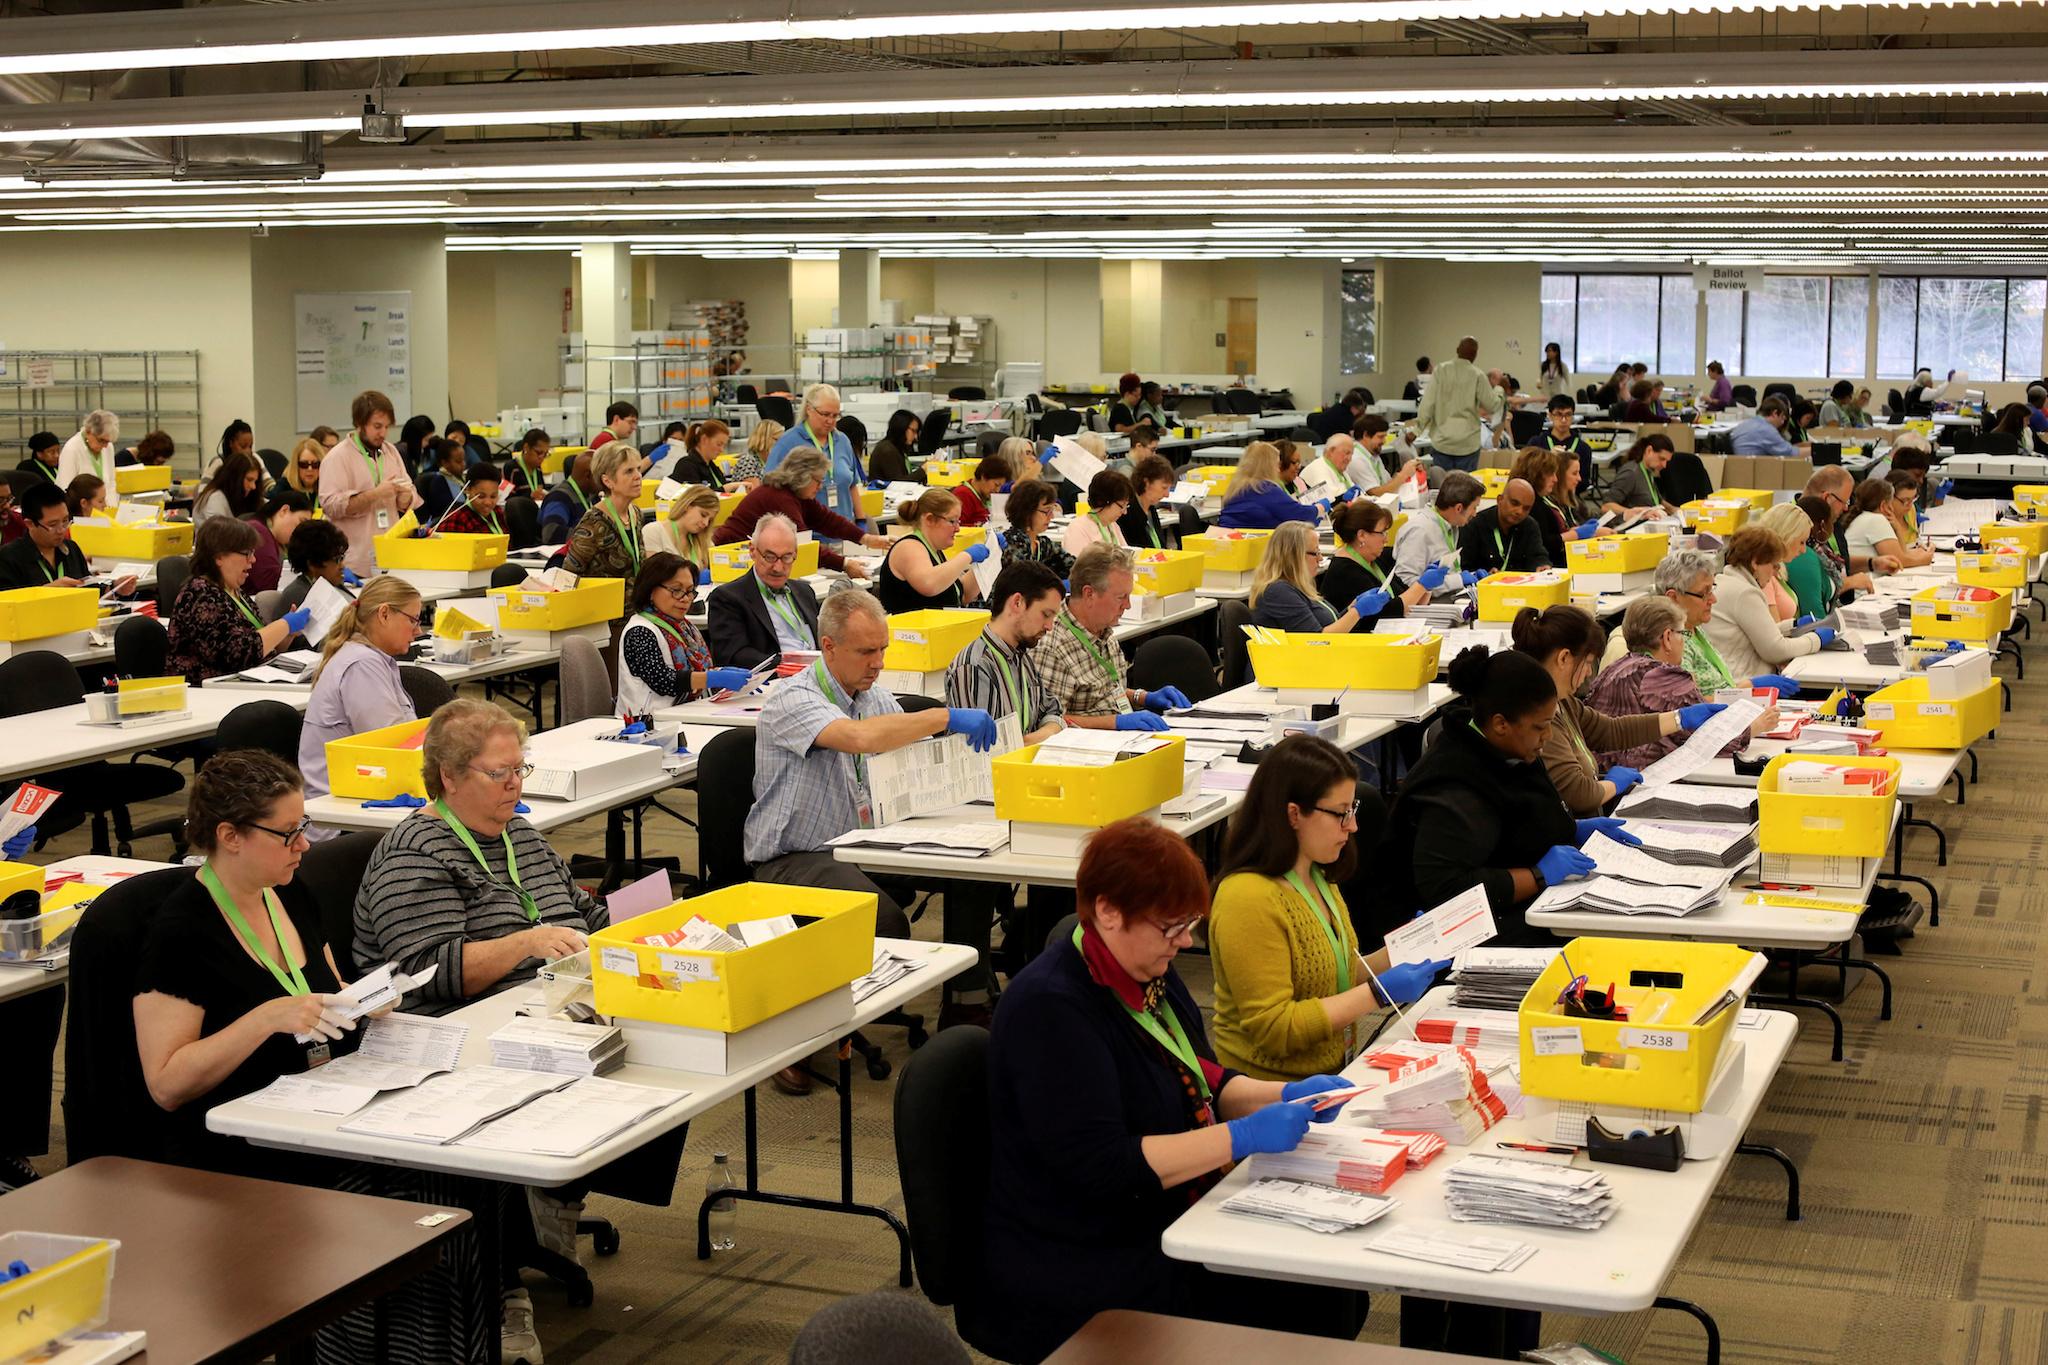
(1656,1040)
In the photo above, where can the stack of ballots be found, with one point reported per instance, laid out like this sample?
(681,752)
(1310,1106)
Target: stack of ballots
(1447,1095)
(1491,1189)
(1629,881)
(1319,1208)
(1496,978)
(1350,1157)
(1727,847)
(1690,801)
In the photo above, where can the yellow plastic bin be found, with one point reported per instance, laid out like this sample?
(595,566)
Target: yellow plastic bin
(67,1289)
(1166,572)
(2030,536)
(591,602)
(33,613)
(1665,1065)
(151,696)
(142,478)
(948,473)
(2033,495)
(731,991)
(927,641)
(1952,618)
(1847,826)
(138,541)
(1992,568)
(733,561)
(1059,794)
(1716,516)
(447,552)
(1759,499)
(1910,719)
(871,501)
(1616,554)
(1492,480)
(377,765)
(559,459)
(1229,551)
(1392,663)
(1501,595)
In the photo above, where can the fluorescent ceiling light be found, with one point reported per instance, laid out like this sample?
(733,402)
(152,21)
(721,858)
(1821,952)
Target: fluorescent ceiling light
(222,35)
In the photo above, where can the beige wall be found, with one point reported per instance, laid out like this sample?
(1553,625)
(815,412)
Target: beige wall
(1426,306)
(530,287)
(1115,330)
(813,294)
(911,284)
(325,260)
(141,291)
(1075,319)
(473,333)
(1299,316)
(1013,293)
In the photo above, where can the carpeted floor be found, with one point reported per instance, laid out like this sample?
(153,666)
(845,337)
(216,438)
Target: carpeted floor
(1925,1180)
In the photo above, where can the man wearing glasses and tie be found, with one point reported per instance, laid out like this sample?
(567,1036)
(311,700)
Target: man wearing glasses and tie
(764,612)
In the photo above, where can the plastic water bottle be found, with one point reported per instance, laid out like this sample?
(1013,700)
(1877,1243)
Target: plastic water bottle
(724,1212)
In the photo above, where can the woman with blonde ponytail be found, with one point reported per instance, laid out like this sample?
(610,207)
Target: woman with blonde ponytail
(358,686)
(685,528)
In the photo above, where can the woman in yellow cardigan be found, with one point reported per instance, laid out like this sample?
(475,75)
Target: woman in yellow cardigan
(1290,983)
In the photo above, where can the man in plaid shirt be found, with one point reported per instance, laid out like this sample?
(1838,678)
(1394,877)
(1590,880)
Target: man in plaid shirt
(1081,662)
(997,673)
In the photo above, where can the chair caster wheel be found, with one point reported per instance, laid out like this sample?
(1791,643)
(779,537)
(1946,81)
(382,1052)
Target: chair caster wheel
(605,1241)
(918,1037)
(878,1068)
(582,1295)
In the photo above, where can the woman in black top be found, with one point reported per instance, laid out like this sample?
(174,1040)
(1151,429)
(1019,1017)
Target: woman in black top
(889,461)
(922,571)
(1110,1116)
(1151,481)
(703,443)
(1365,560)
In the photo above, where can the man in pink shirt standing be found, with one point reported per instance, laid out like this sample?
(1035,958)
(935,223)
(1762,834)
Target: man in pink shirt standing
(363,485)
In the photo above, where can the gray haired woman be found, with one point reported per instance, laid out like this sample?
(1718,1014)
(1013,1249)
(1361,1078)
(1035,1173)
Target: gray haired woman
(791,488)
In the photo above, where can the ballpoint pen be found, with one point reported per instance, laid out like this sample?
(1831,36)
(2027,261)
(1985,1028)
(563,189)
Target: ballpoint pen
(1552,1149)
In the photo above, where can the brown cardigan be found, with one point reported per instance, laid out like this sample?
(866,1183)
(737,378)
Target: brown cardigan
(1573,769)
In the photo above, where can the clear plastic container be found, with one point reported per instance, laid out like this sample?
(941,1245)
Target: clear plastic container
(67,1289)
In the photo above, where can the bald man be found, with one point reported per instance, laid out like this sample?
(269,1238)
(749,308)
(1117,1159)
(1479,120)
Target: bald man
(1504,536)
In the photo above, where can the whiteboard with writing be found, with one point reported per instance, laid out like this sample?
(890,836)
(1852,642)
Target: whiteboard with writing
(345,343)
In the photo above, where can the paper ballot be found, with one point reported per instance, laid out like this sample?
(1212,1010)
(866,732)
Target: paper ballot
(1704,744)
(935,774)
(453,1105)
(397,1052)
(1073,462)
(24,808)
(373,991)
(325,601)
(1460,922)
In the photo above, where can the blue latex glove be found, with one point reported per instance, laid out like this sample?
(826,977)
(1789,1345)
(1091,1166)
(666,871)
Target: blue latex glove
(18,845)
(1167,699)
(521,808)
(1405,982)
(1431,578)
(1349,494)
(1698,714)
(1371,602)
(1141,720)
(1825,634)
(703,578)
(1608,825)
(978,726)
(1586,529)
(348,576)
(1561,864)
(1065,586)
(1787,687)
(1002,542)
(726,679)
(1944,488)
(1954,647)
(1805,621)
(298,620)
(979,552)
(1316,1085)
(638,727)
(878,483)
(1623,778)
(403,801)
(1276,1128)
(1472,577)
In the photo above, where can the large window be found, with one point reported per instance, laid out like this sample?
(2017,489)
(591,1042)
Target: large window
(1795,325)
(1561,315)
(1724,331)
(1360,343)
(1989,329)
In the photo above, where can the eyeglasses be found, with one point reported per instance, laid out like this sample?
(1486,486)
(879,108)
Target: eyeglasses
(1706,596)
(1173,931)
(950,521)
(412,617)
(63,525)
(1340,816)
(503,776)
(290,836)
(682,592)
(309,464)
(767,557)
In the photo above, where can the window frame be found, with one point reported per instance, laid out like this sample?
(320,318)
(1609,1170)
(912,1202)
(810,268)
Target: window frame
(1372,320)
(2004,331)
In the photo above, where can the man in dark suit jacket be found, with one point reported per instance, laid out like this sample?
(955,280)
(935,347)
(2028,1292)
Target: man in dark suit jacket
(1339,416)
(1505,536)
(762,614)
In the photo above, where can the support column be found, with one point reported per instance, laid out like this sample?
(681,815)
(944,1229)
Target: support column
(606,283)
(1148,336)
(860,287)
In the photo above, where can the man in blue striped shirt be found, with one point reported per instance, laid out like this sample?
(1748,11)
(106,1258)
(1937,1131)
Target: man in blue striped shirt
(996,673)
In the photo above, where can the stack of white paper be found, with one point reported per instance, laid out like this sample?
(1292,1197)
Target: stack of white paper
(1491,1189)
(1448,1095)
(1315,1207)
(558,1046)
(1492,1036)
(447,1107)
(1350,1157)
(1496,978)
(1731,847)
(1077,748)
(888,969)
(958,839)
(1873,614)
(1687,801)
(570,1122)
(1444,1245)
(397,1052)
(1883,653)
(1618,896)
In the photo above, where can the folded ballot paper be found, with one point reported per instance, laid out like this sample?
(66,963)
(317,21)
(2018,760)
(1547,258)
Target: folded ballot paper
(397,1052)
(1496,978)
(1730,847)
(1319,1208)
(1492,1036)
(1442,1244)
(371,992)
(1492,1189)
(889,968)
(1690,801)
(1445,1092)
(1350,1157)
(570,1122)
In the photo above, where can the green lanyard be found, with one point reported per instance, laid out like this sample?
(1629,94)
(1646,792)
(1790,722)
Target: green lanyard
(1568,443)
(1102,660)
(295,982)
(779,603)
(1499,548)
(1176,1044)
(952,592)
(1152,529)
(364,451)
(242,605)
(1370,567)
(1450,541)
(1020,699)
(1656,499)
(711,472)
(628,542)
(511,862)
(1340,471)
(832,694)
(1107,538)
(577,489)
(1322,903)
(1712,656)
(491,520)
(50,575)
(665,628)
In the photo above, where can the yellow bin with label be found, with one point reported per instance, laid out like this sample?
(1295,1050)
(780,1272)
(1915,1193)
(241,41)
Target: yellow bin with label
(729,562)
(66,1291)
(1715,515)
(1910,719)
(591,602)
(1991,568)
(1389,663)
(1949,618)
(1848,826)
(2023,495)
(33,613)
(1759,499)
(727,992)
(1617,554)
(1666,1065)
(445,551)
(146,541)
(1229,551)
(558,459)
(1501,595)
(1166,572)
(377,765)
(948,473)
(142,478)
(1059,794)
(927,641)
(2030,536)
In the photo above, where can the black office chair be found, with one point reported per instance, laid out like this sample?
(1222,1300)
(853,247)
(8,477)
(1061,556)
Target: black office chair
(1894,405)
(1232,616)
(1174,661)
(1059,422)
(931,433)
(1527,426)
(773,408)
(967,393)
(171,573)
(1243,402)
(107,1106)
(1688,479)
(878,1325)
(746,393)
(274,461)
(141,644)
(775,386)
(1744,394)
(41,680)
(332,871)
(521,519)
(942,1160)
(429,690)
(272,726)
(1063,932)
(989,442)
(1788,392)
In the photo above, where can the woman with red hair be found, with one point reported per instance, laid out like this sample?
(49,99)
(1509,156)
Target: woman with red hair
(1109,1116)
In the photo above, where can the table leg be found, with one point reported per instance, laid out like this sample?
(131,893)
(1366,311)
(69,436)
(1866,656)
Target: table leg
(1884,981)
(1794,961)
(1933,896)
(1706,1320)
(1791,1174)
